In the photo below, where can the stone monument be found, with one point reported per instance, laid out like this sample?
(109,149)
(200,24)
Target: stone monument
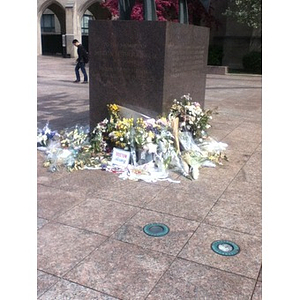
(145,65)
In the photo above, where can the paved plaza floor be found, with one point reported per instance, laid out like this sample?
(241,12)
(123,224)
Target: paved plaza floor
(90,239)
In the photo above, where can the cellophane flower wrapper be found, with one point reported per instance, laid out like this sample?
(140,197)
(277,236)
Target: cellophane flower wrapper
(205,154)
(58,157)
(73,151)
(191,156)
(213,150)
(148,172)
(202,154)
(187,142)
(167,156)
(44,136)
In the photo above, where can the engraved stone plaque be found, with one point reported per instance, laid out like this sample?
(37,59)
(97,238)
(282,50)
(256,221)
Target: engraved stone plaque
(145,65)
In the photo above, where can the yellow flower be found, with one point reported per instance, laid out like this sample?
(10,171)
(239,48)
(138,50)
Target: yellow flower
(151,134)
(113,108)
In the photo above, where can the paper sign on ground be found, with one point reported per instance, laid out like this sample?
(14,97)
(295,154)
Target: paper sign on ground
(120,157)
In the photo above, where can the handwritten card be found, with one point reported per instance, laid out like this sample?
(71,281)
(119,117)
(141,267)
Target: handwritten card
(120,157)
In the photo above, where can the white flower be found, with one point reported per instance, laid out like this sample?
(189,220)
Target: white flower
(195,172)
(150,121)
(152,148)
(42,139)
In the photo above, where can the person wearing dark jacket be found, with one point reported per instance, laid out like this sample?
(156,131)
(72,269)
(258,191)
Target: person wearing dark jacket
(81,61)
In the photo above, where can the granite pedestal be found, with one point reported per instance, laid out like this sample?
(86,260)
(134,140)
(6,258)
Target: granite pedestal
(145,65)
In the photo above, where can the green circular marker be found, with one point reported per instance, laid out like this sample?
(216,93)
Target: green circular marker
(156,229)
(225,248)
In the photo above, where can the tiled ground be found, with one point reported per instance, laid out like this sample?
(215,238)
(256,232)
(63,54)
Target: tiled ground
(91,243)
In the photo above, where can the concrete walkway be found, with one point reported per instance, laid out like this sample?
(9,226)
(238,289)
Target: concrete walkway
(91,243)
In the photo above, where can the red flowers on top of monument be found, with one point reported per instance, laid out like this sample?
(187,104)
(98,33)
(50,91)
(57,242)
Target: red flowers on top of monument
(168,11)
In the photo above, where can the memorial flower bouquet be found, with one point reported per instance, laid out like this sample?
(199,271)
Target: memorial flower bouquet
(45,135)
(179,142)
(149,134)
(114,113)
(143,141)
(74,137)
(119,130)
(69,148)
(98,137)
(122,133)
(142,135)
(160,141)
(191,116)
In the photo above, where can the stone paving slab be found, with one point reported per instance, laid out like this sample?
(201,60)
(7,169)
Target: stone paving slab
(189,280)
(180,232)
(98,215)
(257,295)
(240,216)
(246,263)
(54,202)
(121,269)
(91,243)
(65,289)
(194,207)
(61,247)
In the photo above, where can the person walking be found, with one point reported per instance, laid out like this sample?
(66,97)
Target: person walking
(81,61)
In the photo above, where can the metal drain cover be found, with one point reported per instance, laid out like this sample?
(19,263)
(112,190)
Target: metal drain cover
(156,229)
(225,248)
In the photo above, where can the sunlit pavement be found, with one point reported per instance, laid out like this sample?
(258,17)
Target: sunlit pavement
(91,243)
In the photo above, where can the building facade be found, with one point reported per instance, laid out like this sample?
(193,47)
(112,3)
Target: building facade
(61,21)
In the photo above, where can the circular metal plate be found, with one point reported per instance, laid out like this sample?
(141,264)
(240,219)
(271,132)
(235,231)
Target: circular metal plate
(156,229)
(225,248)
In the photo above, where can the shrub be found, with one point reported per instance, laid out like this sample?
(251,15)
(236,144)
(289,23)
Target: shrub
(215,55)
(252,62)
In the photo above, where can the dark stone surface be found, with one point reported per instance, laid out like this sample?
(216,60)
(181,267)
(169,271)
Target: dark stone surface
(145,65)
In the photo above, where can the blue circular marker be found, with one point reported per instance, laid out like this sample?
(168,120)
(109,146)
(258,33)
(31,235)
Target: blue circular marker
(156,229)
(225,248)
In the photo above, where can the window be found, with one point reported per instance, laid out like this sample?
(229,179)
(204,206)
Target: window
(47,23)
(85,23)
